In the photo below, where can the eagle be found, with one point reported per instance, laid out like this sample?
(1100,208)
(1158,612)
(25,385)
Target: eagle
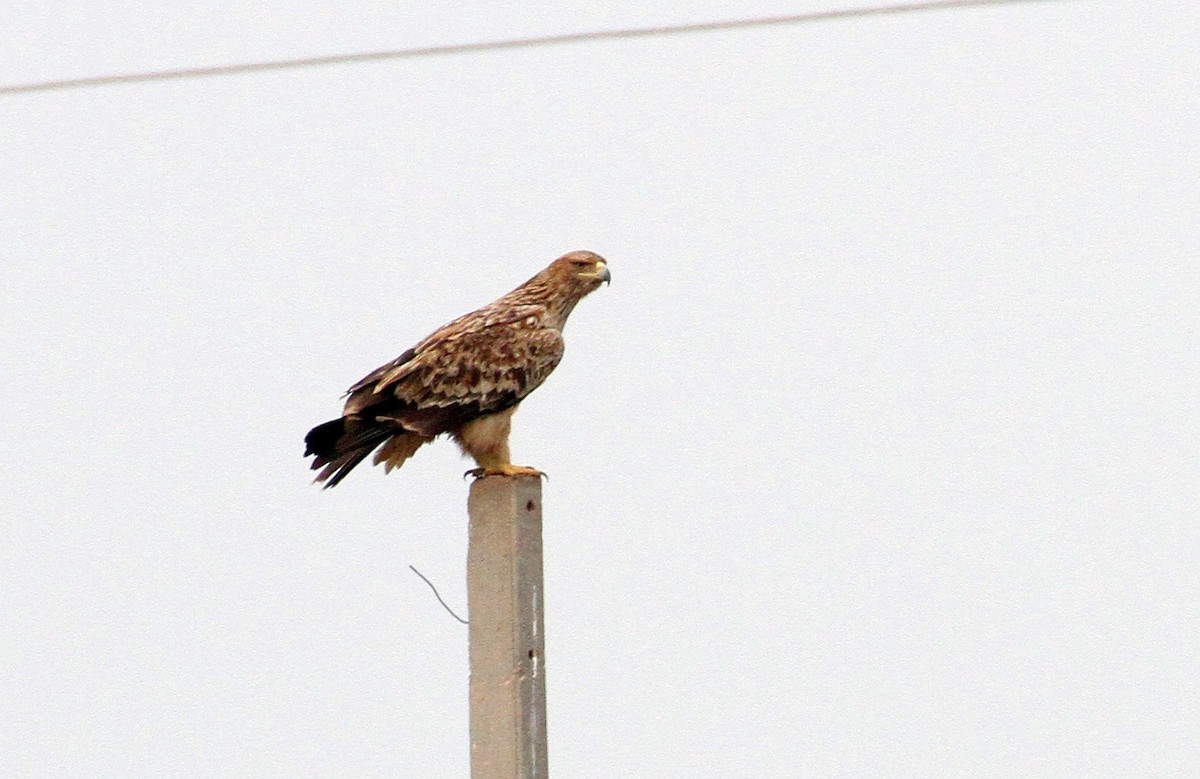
(466,380)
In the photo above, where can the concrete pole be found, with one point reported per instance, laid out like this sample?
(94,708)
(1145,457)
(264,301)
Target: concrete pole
(507,635)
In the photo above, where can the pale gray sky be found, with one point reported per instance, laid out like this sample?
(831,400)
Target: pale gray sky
(878,458)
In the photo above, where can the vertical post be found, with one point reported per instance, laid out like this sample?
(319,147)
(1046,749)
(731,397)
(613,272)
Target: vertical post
(507,635)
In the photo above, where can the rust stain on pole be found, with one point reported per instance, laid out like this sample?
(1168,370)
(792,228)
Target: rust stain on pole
(507,634)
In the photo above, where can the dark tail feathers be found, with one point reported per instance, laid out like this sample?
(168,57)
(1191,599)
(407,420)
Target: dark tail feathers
(340,444)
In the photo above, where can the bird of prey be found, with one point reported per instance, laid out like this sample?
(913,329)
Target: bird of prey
(466,380)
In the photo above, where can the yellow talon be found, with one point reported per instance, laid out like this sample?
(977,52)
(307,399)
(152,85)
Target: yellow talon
(508,470)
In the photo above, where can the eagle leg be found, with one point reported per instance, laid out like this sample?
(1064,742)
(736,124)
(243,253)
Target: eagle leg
(485,439)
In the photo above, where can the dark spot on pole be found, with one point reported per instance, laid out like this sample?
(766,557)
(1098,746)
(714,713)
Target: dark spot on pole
(529,506)
(531,654)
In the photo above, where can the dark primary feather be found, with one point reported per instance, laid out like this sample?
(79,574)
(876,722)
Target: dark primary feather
(322,439)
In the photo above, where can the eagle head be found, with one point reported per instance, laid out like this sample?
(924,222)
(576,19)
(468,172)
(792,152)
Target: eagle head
(582,270)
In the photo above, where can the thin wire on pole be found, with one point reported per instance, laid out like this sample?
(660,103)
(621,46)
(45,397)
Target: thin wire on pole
(500,45)
(438,595)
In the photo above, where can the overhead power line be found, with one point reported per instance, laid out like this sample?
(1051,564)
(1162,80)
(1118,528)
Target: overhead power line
(501,45)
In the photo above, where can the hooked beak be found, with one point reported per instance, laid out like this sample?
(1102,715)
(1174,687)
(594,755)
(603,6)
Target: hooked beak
(603,274)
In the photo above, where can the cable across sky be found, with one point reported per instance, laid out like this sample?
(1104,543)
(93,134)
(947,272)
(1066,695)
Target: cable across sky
(500,45)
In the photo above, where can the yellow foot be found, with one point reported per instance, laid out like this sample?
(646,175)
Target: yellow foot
(508,470)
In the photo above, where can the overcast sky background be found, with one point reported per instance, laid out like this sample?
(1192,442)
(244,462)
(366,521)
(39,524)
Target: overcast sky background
(879,457)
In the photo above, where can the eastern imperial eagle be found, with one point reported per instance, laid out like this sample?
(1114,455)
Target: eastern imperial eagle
(466,379)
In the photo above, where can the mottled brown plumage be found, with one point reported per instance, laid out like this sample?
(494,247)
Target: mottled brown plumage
(465,380)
